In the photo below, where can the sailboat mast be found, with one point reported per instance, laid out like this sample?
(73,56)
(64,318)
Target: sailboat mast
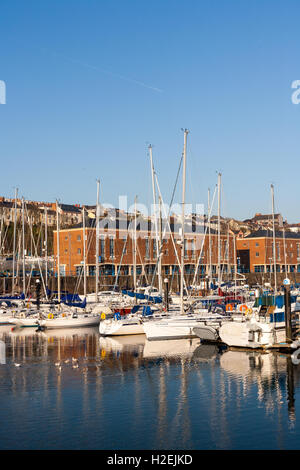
(182,219)
(235,266)
(97,241)
(14,243)
(209,238)
(84,252)
(219,228)
(134,246)
(274,240)
(58,254)
(23,245)
(155,218)
(46,246)
(159,250)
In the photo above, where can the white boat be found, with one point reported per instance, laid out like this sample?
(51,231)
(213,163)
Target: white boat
(27,322)
(131,325)
(70,320)
(252,333)
(5,318)
(179,326)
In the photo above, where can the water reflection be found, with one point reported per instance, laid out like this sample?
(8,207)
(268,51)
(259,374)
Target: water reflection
(127,392)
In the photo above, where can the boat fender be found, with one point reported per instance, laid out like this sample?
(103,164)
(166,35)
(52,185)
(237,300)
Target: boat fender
(117,316)
(103,316)
(50,316)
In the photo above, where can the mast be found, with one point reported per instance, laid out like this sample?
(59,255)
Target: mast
(97,241)
(159,250)
(84,252)
(14,245)
(182,221)
(235,267)
(219,228)
(209,238)
(155,219)
(58,254)
(23,246)
(46,245)
(134,246)
(274,240)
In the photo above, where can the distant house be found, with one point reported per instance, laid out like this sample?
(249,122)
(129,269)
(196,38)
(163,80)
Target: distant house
(265,220)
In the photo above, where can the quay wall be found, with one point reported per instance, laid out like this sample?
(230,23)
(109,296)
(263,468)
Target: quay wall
(73,284)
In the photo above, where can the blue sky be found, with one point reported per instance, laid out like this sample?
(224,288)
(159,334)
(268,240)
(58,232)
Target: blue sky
(91,83)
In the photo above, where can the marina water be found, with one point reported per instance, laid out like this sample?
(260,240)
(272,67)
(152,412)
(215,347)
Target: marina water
(73,389)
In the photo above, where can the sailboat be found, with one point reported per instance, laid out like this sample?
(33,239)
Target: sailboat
(265,325)
(181,325)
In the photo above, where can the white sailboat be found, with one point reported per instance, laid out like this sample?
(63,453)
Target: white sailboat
(70,320)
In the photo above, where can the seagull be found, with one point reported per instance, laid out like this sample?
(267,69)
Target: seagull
(17,365)
(75,366)
(57,364)
(67,361)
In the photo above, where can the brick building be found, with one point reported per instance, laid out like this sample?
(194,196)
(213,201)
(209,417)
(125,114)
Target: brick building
(116,248)
(255,252)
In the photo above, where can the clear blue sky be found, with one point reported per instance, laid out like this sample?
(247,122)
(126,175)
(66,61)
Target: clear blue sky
(91,82)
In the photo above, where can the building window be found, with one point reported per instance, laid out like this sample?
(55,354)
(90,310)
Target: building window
(257,254)
(154,248)
(147,248)
(124,245)
(111,248)
(185,248)
(79,238)
(79,251)
(79,270)
(278,251)
(102,247)
(92,270)
(193,248)
(259,269)
(256,244)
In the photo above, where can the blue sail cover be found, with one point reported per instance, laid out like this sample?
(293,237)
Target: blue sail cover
(75,304)
(137,295)
(146,309)
(13,297)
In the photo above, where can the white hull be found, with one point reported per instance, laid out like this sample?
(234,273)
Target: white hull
(70,322)
(252,334)
(25,322)
(178,327)
(157,331)
(6,319)
(126,326)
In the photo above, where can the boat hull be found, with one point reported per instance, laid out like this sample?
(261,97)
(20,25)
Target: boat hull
(123,327)
(252,334)
(67,322)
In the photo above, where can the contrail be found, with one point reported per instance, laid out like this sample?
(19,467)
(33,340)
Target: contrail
(108,72)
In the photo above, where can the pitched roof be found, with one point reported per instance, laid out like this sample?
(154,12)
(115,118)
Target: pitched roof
(269,234)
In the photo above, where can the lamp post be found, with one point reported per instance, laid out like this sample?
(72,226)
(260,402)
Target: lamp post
(166,281)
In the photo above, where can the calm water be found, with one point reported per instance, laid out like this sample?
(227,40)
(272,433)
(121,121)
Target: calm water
(128,393)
